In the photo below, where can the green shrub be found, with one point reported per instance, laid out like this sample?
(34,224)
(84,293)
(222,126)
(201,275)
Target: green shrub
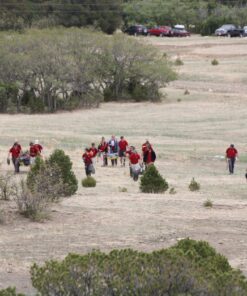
(122,189)
(46,179)
(62,161)
(208,203)
(152,181)
(31,204)
(186,92)
(172,191)
(10,292)
(89,182)
(7,187)
(194,186)
(189,268)
(215,62)
(178,62)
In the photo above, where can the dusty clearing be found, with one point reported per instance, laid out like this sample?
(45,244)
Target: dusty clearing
(189,132)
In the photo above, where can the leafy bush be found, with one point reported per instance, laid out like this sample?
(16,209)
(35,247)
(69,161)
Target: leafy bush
(10,292)
(7,187)
(172,191)
(215,62)
(46,179)
(208,203)
(194,186)
(178,62)
(89,182)
(63,162)
(189,268)
(122,189)
(152,181)
(30,203)
(186,92)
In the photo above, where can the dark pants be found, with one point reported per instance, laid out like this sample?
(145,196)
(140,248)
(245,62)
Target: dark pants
(105,160)
(16,164)
(231,162)
(114,162)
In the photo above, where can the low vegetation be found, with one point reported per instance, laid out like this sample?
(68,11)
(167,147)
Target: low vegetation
(208,203)
(152,181)
(172,191)
(215,62)
(7,187)
(89,182)
(194,185)
(123,189)
(178,62)
(10,292)
(188,268)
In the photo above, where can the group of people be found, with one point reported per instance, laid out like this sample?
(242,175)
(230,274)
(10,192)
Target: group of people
(113,150)
(19,157)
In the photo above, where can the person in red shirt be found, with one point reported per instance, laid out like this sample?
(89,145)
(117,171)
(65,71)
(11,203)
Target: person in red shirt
(103,149)
(122,144)
(38,146)
(231,155)
(135,164)
(87,158)
(34,152)
(15,152)
(149,155)
(93,150)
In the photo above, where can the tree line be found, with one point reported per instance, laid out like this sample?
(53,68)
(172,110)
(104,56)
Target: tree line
(108,15)
(50,70)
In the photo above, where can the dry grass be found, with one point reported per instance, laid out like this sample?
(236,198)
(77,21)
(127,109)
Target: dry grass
(189,138)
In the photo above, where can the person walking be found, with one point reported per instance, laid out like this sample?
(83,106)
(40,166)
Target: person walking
(34,152)
(123,144)
(149,155)
(113,150)
(135,164)
(103,150)
(87,158)
(15,152)
(231,155)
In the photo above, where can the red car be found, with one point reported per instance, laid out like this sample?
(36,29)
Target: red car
(160,31)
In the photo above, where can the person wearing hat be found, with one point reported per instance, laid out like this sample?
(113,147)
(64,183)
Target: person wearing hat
(15,152)
(231,155)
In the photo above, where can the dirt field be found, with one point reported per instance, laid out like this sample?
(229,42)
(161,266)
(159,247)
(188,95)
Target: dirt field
(190,133)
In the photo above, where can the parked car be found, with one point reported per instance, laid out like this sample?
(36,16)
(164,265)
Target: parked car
(160,31)
(179,31)
(230,31)
(137,30)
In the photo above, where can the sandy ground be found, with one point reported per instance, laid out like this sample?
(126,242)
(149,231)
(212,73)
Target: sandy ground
(190,134)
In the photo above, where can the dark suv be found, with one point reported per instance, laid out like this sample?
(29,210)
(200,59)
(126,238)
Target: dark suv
(136,30)
(230,31)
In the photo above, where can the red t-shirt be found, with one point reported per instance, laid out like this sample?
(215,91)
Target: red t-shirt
(87,157)
(134,158)
(38,147)
(103,147)
(93,151)
(149,156)
(34,151)
(231,152)
(123,145)
(15,151)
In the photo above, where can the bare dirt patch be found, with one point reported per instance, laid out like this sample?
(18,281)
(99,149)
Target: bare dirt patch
(189,136)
